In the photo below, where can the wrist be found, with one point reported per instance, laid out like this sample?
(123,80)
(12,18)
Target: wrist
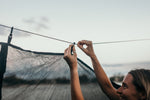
(72,64)
(93,56)
(74,68)
(74,72)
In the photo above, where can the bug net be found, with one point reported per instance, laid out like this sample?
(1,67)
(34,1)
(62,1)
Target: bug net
(32,75)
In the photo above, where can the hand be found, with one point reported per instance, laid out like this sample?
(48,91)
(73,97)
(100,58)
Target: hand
(71,59)
(89,49)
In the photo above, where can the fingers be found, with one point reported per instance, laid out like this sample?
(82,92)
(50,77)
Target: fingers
(71,59)
(68,51)
(86,42)
(74,51)
(89,47)
(82,43)
(65,52)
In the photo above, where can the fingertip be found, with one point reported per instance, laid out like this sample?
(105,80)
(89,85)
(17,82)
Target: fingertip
(74,48)
(78,44)
(65,49)
(71,45)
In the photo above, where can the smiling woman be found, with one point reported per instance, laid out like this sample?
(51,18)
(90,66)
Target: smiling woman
(136,85)
(141,80)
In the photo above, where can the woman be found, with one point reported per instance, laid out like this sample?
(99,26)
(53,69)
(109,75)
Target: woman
(135,86)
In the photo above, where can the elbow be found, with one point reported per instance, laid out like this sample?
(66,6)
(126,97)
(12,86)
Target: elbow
(107,88)
(110,91)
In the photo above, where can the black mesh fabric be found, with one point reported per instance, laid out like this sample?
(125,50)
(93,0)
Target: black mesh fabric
(34,75)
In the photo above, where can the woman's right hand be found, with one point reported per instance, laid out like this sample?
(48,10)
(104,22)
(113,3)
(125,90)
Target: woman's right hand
(71,59)
(89,49)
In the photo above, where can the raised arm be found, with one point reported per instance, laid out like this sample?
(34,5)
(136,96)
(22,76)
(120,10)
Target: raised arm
(101,76)
(71,59)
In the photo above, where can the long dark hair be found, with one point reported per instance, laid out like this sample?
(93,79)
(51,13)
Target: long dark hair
(141,80)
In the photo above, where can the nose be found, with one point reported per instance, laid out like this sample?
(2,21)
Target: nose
(119,91)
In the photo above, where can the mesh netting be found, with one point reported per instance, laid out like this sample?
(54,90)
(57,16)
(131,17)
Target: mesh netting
(44,76)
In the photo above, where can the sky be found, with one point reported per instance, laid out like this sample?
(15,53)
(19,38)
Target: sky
(75,20)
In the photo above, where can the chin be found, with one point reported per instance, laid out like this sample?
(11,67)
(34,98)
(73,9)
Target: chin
(122,98)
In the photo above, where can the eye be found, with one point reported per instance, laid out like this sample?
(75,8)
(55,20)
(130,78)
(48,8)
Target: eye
(124,86)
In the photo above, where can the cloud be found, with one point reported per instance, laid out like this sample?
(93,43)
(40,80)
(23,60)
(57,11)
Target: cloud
(38,24)
(44,19)
(29,21)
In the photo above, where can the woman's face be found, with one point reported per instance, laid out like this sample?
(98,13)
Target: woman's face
(128,91)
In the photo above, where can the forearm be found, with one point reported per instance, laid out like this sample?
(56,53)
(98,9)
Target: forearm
(102,78)
(76,93)
(71,59)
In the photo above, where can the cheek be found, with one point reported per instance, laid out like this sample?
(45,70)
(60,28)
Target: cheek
(129,95)
(125,93)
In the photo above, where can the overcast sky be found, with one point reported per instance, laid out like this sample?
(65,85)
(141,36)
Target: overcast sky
(74,20)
